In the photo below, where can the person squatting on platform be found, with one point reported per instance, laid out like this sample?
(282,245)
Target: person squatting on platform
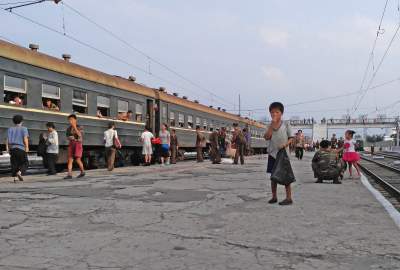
(326,164)
(278,136)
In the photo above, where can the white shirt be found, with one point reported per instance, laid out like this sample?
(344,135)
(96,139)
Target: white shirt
(109,137)
(146,137)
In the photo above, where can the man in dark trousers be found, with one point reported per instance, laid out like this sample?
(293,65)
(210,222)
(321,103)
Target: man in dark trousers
(215,155)
(174,146)
(239,143)
(200,140)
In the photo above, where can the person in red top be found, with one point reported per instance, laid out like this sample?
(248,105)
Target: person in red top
(75,147)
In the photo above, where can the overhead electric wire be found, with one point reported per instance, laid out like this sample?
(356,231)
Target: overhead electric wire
(378,67)
(93,48)
(145,54)
(16,3)
(327,98)
(371,55)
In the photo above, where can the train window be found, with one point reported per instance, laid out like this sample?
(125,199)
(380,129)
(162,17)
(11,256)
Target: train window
(164,111)
(123,106)
(181,120)
(15,90)
(205,124)
(211,126)
(139,112)
(79,101)
(103,106)
(50,97)
(172,119)
(198,122)
(190,121)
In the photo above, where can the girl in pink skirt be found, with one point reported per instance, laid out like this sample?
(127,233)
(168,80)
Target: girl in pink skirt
(349,152)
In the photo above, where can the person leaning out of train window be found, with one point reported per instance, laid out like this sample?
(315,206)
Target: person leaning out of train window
(52,148)
(99,114)
(49,105)
(125,116)
(75,147)
(111,143)
(17,101)
(17,145)
(165,138)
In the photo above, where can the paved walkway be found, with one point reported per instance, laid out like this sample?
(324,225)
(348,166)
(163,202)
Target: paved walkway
(193,216)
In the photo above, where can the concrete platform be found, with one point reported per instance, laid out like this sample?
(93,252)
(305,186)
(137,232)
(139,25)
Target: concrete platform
(193,216)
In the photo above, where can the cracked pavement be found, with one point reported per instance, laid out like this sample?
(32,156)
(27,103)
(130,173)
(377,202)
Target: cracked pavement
(192,216)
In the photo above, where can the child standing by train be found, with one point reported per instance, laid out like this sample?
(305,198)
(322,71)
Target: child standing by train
(349,152)
(75,147)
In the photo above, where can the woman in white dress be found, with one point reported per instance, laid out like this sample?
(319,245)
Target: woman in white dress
(147,147)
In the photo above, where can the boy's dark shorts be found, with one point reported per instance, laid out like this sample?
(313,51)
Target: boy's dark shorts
(270,164)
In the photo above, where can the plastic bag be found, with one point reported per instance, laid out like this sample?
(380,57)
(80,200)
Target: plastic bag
(282,173)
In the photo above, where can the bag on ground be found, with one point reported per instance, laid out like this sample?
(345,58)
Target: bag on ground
(282,173)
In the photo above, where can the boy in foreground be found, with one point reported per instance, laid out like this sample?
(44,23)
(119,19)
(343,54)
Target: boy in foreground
(278,136)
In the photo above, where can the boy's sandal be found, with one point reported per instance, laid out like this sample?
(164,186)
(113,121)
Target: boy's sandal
(286,202)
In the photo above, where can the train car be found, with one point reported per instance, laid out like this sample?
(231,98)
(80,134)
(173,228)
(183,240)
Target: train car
(30,80)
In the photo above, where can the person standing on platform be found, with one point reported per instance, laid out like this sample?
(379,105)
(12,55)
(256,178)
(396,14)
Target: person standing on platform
(147,151)
(52,148)
(200,141)
(165,138)
(349,152)
(75,147)
(17,145)
(111,144)
(215,155)
(299,143)
(247,137)
(278,136)
(239,142)
(174,146)
(222,141)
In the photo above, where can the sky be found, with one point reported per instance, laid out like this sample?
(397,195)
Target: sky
(263,50)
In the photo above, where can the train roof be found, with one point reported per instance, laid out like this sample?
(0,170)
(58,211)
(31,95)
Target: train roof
(38,59)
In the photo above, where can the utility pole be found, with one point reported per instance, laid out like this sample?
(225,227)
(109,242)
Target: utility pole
(398,132)
(239,106)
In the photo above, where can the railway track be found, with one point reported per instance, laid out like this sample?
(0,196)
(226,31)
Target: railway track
(386,175)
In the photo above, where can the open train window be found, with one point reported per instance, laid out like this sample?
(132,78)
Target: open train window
(190,121)
(124,113)
(211,127)
(50,97)
(172,119)
(139,112)
(164,112)
(198,122)
(181,120)
(79,101)
(14,90)
(205,124)
(103,106)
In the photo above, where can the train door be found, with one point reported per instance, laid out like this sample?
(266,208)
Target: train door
(157,116)
(150,115)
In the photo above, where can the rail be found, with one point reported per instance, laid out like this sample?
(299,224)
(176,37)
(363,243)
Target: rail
(385,183)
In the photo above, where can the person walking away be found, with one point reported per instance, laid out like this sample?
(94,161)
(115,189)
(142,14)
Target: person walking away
(52,148)
(326,165)
(299,143)
(247,136)
(278,136)
(222,141)
(75,147)
(111,144)
(18,146)
(349,153)
(147,151)
(174,146)
(200,141)
(165,138)
(215,155)
(334,142)
(239,142)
